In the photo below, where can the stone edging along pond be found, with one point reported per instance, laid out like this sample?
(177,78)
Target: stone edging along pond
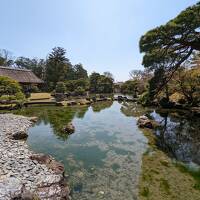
(23,173)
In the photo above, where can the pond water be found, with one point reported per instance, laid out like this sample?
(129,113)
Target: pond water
(179,136)
(103,156)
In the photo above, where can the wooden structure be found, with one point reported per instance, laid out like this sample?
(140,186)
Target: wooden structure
(23,76)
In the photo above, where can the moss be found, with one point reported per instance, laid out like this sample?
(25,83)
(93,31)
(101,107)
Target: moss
(165,185)
(162,179)
(194,173)
(115,167)
(151,137)
(145,192)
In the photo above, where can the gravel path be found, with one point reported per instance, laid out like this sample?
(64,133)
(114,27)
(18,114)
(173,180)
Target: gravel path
(24,174)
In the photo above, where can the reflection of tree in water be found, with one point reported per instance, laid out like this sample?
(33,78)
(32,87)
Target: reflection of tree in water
(99,106)
(178,137)
(133,109)
(57,117)
(80,113)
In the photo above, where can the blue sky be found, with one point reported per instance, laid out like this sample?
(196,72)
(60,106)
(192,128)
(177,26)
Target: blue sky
(103,35)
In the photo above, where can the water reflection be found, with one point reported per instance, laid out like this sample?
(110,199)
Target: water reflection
(98,107)
(178,136)
(103,156)
(134,109)
(57,117)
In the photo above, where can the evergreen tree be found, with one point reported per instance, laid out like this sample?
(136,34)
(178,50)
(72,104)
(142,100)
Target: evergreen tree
(57,66)
(172,44)
(80,72)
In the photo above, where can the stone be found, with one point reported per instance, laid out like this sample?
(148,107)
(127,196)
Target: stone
(27,195)
(23,174)
(164,162)
(33,119)
(144,122)
(69,129)
(19,135)
(11,186)
(101,192)
(55,166)
(59,192)
(41,158)
(120,98)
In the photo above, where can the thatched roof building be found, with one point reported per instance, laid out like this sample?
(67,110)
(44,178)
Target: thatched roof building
(22,76)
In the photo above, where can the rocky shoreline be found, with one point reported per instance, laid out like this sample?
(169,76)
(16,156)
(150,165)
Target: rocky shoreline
(23,173)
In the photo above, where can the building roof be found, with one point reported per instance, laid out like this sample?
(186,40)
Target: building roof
(20,75)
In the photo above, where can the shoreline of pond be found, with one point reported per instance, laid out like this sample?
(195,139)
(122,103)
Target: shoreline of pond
(164,177)
(82,101)
(24,173)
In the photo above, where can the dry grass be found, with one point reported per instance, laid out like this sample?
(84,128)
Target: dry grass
(7,106)
(40,96)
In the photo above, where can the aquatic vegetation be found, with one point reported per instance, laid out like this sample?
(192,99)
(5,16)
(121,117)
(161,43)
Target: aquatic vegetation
(161,178)
(195,173)
(102,158)
(145,192)
(97,107)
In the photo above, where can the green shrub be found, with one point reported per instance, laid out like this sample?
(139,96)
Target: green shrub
(79,91)
(145,192)
(72,85)
(34,89)
(60,87)
(144,98)
(20,96)
(130,87)
(10,90)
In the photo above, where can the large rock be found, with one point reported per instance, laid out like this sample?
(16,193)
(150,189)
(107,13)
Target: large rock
(145,122)
(56,167)
(33,119)
(84,102)
(19,135)
(69,128)
(120,98)
(55,191)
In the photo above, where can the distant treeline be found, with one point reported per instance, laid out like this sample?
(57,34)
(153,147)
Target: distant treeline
(59,74)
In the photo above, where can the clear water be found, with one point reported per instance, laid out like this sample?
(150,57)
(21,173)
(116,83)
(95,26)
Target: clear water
(179,135)
(103,156)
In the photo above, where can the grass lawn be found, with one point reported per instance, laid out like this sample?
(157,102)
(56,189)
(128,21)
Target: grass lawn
(40,96)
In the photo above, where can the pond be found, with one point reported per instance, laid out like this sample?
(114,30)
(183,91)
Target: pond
(179,136)
(178,133)
(103,156)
